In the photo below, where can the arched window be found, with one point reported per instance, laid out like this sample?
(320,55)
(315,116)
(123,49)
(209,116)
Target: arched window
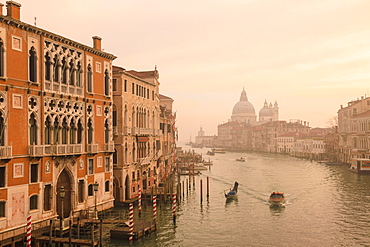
(34,202)
(33,64)
(48,131)
(79,132)
(56,69)
(56,131)
(72,132)
(64,131)
(2,130)
(33,129)
(115,156)
(48,196)
(64,71)
(2,58)
(90,132)
(79,75)
(89,78)
(106,131)
(72,74)
(47,67)
(106,83)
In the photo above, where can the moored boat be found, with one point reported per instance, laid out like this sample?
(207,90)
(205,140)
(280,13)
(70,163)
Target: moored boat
(241,159)
(277,198)
(233,192)
(210,153)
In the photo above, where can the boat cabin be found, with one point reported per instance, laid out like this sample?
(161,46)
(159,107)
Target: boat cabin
(360,165)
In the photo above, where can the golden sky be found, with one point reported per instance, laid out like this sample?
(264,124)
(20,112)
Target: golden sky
(311,56)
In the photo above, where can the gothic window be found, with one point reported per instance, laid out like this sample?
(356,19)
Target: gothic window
(56,131)
(48,67)
(79,132)
(90,131)
(78,75)
(33,129)
(72,74)
(89,79)
(56,69)
(2,130)
(48,196)
(106,131)
(115,156)
(64,131)
(48,131)
(73,131)
(33,64)
(106,83)
(33,202)
(64,71)
(2,58)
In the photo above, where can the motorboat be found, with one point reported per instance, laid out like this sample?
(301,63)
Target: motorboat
(277,198)
(210,153)
(233,192)
(241,159)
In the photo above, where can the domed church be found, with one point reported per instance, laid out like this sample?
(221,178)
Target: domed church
(244,112)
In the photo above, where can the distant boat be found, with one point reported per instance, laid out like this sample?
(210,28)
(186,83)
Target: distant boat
(219,150)
(277,198)
(241,159)
(233,192)
(210,153)
(207,163)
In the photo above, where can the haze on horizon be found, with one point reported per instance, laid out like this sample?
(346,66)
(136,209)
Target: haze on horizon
(309,56)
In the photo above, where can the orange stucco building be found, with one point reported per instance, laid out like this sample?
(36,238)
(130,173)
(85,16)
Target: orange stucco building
(55,125)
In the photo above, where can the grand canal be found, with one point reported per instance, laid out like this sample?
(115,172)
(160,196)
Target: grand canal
(326,206)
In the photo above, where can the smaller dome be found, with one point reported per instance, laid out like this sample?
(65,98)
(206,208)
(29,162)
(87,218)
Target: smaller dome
(266,111)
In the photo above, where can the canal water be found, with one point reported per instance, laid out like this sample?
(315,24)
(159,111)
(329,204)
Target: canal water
(326,206)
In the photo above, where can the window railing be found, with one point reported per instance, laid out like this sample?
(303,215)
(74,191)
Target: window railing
(109,147)
(43,150)
(92,148)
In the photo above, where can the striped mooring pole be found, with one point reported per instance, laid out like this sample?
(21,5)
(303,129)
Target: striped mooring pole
(139,202)
(154,208)
(131,222)
(174,208)
(29,230)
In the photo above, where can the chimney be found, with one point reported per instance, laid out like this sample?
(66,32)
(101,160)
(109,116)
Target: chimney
(97,42)
(13,10)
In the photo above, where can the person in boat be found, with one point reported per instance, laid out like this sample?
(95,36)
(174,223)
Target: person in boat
(236,184)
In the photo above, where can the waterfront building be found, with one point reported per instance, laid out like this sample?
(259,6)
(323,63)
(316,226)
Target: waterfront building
(201,140)
(353,129)
(144,133)
(291,143)
(56,126)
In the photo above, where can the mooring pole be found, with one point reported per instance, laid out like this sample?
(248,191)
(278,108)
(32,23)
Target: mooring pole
(201,191)
(207,187)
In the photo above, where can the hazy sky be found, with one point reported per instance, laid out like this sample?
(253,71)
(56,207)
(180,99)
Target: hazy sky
(311,56)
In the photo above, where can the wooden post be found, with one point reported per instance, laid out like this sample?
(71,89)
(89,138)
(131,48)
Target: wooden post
(131,222)
(101,233)
(207,187)
(187,187)
(51,233)
(70,232)
(174,208)
(201,191)
(78,227)
(92,234)
(183,189)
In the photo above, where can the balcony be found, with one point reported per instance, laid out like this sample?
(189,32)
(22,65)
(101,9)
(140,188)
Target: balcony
(109,147)
(92,148)
(47,150)
(127,130)
(6,152)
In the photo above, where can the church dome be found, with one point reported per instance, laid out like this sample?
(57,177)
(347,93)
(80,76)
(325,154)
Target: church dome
(266,111)
(243,106)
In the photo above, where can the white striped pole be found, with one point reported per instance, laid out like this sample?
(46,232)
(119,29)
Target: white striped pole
(29,230)
(154,208)
(139,202)
(174,207)
(131,222)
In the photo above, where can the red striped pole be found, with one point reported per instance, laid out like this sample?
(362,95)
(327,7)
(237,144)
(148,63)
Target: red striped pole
(154,208)
(139,202)
(131,222)
(174,208)
(29,230)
